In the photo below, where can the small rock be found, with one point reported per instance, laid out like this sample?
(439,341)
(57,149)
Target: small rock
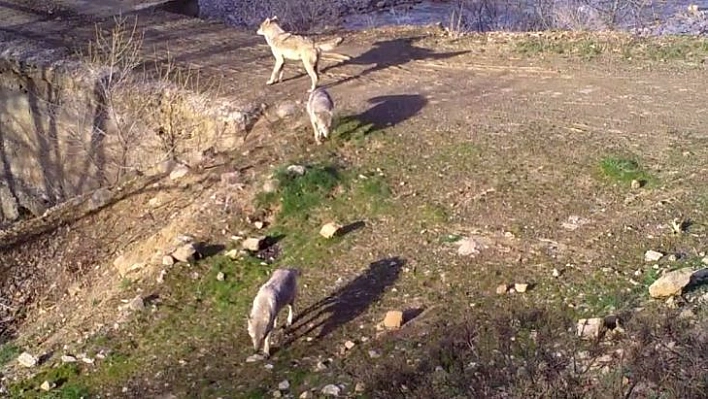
(285,109)
(277,394)
(253,244)
(136,304)
(330,230)
(230,178)
(297,170)
(284,385)
(636,184)
(590,328)
(254,358)
(705,260)
(393,320)
(306,395)
(556,273)
(258,224)
(349,345)
(47,386)
(99,198)
(27,360)
(671,283)
(154,202)
(161,276)
(68,359)
(652,256)
(331,390)
(220,276)
(502,289)
(179,172)
(359,387)
(320,366)
(168,260)
(374,354)
(186,253)
(166,166)
(672,258)
(467,247)
(521,287)
(233,254)
(74,289)
(270,186)
(687,314)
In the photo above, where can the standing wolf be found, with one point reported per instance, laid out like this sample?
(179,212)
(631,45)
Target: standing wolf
(320,107)
(287,46)
(278,291)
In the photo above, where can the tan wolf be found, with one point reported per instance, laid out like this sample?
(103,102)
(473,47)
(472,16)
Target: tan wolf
(320,108)
(288,46)
(278,291)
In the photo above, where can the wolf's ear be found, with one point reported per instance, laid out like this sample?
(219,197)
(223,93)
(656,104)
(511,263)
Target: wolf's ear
(274,18)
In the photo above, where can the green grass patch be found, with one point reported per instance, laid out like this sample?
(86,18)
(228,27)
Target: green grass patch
(351,128)
(625,170)
(8,352)
(66,378)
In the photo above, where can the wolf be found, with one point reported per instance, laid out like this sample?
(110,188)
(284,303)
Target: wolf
(320,108)
(278,291)
(288,46)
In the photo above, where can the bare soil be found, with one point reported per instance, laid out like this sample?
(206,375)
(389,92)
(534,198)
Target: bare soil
(472,137)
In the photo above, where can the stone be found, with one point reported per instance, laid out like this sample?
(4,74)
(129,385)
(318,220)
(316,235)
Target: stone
(277,394)
(671,283)
(393,320)
(74,289)
(167,166)
(374,354)
(286,109)
(349,345)
(68,359)
(521,287)
(270,186)
(467,247)
(502,289)
(233,254)
(136,304)
(258,224)
(47,386)
(705,260)
(636,184)
(556,273)
(359,387)
(297,170)
(179,172)
(230,178)
(687,314)
(254,358)
(284,385)
(220,276)
(27,360)
(306,395)
(154,202)
(161,277)
(99,199)
(653,256)
(185,253)
(168,260)
(590,328)
(331,390)
(253,244)
(330,230)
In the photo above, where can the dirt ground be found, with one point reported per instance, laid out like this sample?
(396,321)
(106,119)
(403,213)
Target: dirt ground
(513,140)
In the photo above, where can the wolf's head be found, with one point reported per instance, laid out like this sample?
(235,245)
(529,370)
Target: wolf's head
(268,25)
(257,332)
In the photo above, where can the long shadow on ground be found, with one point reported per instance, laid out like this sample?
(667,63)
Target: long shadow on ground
(349,301)
(391,53)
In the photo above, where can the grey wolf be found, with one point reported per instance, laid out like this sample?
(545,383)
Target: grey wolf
(288,46)
(278,291)
(319,108)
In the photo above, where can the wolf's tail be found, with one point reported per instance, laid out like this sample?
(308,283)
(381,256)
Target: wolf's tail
(325,49)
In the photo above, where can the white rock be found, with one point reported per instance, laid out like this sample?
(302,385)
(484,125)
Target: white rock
(331,390)
(185,253)
(521,287)
(330,230)
(253,244)
(168,260)
(556,273)
(27,360)
(349,345)
(705,260)
(284,385)
(306,395)
(68,359)
(671,283)
(179,172)
(467,247)
(161,276)
(652,256)
(233,254)
(47,386)
(590,328)
(297,170)
(359,387)
(220,276)
(277,394)
(254,358)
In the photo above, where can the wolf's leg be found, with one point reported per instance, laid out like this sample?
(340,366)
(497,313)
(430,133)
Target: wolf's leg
(311,68)
(315,128)
(266,345)
(290,314)
(277,69)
